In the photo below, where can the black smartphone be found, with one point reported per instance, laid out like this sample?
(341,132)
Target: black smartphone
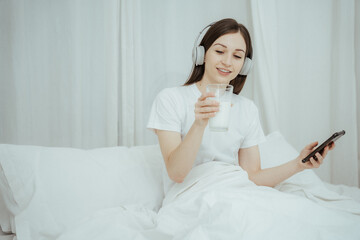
(320,148)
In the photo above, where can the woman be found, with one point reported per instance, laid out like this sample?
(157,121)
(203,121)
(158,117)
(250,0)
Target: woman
(180,115)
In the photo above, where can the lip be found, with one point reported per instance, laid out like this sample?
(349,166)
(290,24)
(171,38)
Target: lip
(223,73)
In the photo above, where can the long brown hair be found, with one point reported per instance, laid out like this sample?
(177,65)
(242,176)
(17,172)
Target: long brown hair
(218,29)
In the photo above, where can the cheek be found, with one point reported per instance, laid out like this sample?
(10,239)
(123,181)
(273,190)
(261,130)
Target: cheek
(238,67)
(213,59)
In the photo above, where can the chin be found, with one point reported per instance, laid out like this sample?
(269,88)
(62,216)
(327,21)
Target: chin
(223,80)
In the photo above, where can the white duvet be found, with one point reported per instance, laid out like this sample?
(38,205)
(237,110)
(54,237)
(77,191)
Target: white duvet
(217,201)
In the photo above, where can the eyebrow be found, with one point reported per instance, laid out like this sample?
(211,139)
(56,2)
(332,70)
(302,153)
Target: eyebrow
(226,47)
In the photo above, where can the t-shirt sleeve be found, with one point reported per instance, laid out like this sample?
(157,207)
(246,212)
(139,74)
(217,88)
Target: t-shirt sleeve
(165,113)
(255,134)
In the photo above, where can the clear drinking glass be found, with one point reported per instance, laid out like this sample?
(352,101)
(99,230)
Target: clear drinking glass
(223,93)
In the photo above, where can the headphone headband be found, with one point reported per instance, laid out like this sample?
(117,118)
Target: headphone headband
(205,28)
(198,52)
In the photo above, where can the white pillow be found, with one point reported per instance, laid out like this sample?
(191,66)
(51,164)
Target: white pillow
(49,189)
(12,184)
(5,217)
(276,151)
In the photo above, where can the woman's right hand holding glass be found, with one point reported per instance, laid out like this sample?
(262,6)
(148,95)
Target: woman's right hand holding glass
(205,108)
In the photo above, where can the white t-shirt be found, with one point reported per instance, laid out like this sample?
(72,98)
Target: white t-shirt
(173,110)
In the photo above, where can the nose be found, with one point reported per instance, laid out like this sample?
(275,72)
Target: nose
(226,60)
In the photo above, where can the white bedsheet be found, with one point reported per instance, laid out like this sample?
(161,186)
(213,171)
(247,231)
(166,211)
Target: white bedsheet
(217,201)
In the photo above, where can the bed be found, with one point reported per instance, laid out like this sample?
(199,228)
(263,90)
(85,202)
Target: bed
(117,193)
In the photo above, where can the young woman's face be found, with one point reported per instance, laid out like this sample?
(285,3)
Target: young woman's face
(225,57)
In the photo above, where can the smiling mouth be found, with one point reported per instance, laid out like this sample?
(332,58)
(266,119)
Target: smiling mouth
(223,70)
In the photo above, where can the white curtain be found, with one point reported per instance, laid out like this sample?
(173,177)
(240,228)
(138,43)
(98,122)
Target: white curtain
(357,74)
(343,95)
(306,77)
(317,83)
(59,72)
(85,73)
(131,80)
(265,71)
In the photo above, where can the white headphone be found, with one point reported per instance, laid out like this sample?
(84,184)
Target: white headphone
(198,53)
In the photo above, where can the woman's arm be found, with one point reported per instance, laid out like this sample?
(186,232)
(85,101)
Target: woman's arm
(249,160)
(179,156)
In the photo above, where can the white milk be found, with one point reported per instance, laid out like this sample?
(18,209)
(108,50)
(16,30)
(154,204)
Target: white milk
(220,122)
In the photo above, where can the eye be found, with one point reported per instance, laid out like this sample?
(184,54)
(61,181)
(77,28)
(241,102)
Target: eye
(238,56)
(220,52)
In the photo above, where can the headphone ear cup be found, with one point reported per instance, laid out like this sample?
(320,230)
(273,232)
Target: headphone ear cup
(198,55)
(246,67)
(194,55)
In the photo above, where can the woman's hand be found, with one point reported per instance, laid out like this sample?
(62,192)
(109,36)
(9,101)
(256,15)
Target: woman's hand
(205,108)
(320,157)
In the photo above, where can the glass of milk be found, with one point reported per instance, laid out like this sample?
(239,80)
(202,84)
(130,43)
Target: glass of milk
(223,93)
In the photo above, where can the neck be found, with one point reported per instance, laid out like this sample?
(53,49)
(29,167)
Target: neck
(203,83)
(201,86)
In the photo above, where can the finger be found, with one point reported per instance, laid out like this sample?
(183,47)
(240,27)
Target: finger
(311,145)
(207,115)
(206,109)
(314,145)
(326,150)
(204,116)
(332,146)
(204,103)
(314,163)
(320,158)
(208,102)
